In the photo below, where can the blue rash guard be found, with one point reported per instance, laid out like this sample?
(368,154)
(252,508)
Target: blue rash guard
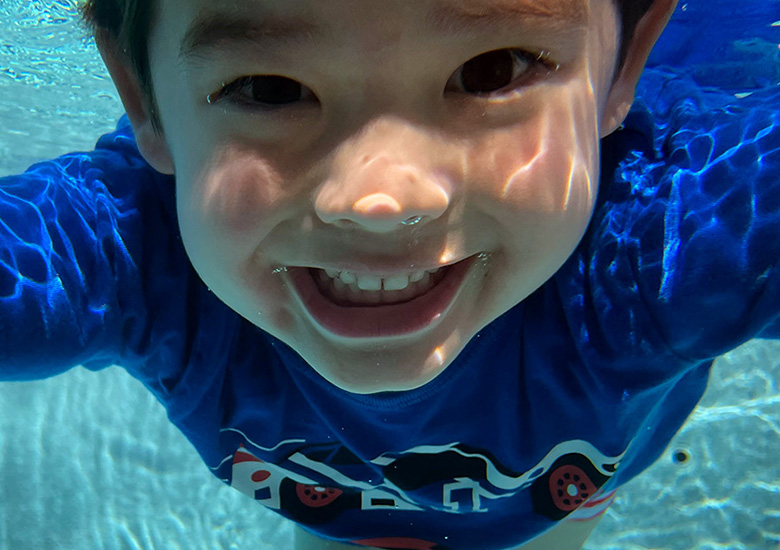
(546,412)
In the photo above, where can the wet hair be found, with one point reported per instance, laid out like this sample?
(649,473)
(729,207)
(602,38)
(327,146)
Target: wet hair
(126,24)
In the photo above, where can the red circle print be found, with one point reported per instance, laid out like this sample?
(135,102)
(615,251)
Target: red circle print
(260,475)
(570,487)
(315,496)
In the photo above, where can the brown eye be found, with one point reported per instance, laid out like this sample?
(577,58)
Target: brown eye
(264,91)
(275,90)
(495,70)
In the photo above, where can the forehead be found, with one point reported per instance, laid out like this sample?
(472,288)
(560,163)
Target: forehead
(204,24)
(564,9)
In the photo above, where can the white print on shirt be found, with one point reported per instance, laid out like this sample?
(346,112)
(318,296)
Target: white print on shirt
(311,484)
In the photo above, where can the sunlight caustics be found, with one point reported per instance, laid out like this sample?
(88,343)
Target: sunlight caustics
(235,190)
(377,203)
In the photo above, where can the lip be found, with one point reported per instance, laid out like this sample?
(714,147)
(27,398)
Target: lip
(380,321)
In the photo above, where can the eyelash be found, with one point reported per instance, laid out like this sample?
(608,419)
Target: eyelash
(539,64)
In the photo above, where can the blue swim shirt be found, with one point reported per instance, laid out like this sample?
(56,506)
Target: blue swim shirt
(546,412)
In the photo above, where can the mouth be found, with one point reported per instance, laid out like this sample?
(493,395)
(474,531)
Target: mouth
(365,306)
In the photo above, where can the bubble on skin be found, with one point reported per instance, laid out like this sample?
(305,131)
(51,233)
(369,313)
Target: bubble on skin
(412,221)
(484,259)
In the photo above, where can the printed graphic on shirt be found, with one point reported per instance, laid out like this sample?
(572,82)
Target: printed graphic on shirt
(315,484)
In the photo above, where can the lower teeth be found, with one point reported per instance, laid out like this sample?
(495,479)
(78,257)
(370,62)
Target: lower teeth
(348,295)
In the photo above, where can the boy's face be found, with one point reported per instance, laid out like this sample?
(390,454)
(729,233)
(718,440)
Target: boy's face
(391,158)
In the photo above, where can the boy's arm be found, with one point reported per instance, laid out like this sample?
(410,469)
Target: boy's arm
(719,283)
(71,242)
(684,249)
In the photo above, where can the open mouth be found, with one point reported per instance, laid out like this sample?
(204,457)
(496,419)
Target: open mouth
(350,290)
(357,306)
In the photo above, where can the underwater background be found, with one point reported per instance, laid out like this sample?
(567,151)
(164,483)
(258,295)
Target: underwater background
(89,460)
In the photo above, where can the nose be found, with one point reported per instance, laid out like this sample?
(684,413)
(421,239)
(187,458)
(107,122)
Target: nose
(395,185)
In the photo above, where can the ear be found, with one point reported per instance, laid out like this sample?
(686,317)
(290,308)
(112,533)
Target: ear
(151,144)
(646,34)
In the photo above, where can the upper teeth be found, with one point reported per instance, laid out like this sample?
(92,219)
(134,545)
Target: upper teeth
(371,282)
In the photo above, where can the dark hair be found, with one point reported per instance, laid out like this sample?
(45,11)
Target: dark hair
(126,24)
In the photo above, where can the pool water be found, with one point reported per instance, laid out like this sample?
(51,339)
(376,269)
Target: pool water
(89,460)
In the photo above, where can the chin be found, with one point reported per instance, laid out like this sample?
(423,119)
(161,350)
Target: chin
(377,386)
(382,371)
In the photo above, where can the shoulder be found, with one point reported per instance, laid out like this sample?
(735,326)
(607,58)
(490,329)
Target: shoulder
(685,232)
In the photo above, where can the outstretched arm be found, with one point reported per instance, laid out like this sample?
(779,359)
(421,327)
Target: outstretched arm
(685,248)
(70,247)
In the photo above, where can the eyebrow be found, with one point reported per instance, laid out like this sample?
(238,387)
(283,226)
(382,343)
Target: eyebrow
(477,15)
(231,31)
(210,31)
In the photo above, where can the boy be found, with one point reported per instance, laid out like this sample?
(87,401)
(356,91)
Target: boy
(399,200)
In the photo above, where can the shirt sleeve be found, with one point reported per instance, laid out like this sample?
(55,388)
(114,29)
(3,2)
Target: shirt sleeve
(72,254)
(684,247)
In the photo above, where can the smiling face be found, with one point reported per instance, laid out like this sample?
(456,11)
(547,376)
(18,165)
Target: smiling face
(373,142)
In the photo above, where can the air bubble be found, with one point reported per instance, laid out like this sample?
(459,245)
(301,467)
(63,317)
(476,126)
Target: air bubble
(412,221)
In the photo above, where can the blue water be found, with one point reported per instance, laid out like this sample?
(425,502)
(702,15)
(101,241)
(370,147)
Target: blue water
(88,460)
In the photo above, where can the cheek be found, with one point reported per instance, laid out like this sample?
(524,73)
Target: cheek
(546,167)
(237,194)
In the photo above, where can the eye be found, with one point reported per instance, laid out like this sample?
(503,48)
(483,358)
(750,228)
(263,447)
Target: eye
(493,71)
(263,91)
